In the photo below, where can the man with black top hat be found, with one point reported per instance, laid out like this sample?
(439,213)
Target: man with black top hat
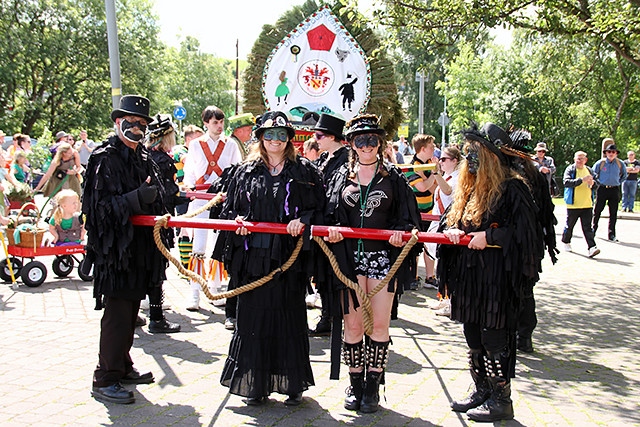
(610,172)
(121,181)
(328,134)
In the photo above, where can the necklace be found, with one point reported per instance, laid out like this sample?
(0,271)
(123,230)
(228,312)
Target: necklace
(368,164)
(274,168)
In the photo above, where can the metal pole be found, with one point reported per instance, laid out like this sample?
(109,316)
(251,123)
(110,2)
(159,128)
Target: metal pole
(237,74)
(444,124)
(114,52)
(421,104)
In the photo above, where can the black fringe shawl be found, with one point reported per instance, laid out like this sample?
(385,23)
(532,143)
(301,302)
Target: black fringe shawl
(486,286)
(125,258)
(249,188)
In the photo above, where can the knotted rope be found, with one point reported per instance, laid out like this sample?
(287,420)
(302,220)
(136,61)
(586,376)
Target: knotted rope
(365,298)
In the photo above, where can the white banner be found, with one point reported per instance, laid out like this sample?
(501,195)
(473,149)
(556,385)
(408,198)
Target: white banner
(317,67)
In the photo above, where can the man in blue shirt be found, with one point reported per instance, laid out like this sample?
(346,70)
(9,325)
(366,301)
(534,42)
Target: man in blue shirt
(610,172)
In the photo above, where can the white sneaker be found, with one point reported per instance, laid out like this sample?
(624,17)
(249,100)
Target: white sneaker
(593,251)
(437,305)
(567,247)
(144,304)
(311,300)
(446,310)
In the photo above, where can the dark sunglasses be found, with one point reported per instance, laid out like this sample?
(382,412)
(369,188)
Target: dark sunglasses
(442,159)
(361,141)
(319,135)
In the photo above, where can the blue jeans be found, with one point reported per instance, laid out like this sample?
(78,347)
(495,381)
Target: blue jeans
(629,188)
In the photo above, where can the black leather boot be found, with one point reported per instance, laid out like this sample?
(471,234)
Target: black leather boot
(481,388)
(371,395)
(354,392)
(499,405)
(353,356)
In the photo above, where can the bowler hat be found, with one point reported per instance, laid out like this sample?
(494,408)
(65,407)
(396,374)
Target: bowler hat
(274,119)
(240,120)
(331,125)
(132,105)
(364,123)
(611,147)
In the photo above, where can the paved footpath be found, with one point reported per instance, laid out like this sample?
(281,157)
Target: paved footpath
(584,371)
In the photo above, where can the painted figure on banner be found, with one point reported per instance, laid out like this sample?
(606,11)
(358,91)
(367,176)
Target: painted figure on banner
(306,71)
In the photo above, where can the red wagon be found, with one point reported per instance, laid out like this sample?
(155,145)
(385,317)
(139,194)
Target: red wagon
(33,273)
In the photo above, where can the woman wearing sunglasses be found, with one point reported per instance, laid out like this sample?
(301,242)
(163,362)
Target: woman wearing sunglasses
(269,351)
(369,193)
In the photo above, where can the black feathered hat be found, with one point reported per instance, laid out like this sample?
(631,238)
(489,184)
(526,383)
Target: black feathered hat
(364,123)
(161,126)
(274,119)
(491,136)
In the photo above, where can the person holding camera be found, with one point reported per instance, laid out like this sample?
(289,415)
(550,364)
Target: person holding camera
(63,173)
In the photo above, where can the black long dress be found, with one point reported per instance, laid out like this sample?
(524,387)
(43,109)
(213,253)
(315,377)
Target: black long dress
(269,351)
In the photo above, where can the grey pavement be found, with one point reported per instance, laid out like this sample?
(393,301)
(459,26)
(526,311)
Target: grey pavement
(584,371)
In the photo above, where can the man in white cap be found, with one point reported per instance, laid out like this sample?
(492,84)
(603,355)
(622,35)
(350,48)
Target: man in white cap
(546,166)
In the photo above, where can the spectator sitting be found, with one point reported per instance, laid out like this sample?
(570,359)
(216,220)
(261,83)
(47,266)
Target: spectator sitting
(66,224)
(19,168)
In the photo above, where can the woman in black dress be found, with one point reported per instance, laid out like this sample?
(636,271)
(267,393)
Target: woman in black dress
(269,351)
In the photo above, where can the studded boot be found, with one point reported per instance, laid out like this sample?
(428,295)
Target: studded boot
(353,356)
(481,390)
(377,357)
(499,405)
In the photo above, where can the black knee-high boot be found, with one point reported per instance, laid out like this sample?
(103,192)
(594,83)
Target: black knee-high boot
(158,323)
(499,405)
(353,356)
(481,388)
(377,357)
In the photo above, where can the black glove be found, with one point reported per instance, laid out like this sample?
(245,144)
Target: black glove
(141,197)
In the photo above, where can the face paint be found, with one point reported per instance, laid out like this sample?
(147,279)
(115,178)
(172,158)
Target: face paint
(276,134)
(473,162)
(126,127)
(366,140)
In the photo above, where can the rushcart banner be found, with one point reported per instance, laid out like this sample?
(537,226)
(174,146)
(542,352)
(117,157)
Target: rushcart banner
(317,67)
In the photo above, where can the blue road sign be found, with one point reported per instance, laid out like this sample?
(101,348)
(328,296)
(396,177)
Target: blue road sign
(179,112)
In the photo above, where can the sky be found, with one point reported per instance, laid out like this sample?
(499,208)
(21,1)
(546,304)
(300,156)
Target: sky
(218,23)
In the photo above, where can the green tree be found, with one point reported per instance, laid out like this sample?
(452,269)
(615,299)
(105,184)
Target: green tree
(55,70)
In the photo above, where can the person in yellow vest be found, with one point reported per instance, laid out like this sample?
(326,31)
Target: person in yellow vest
(208,156)
(240,127)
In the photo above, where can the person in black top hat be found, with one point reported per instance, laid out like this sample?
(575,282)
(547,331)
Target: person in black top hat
(329,136)
(122,180)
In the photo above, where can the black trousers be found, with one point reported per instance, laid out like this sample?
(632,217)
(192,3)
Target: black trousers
(585,215)
(116,338)
(611,197)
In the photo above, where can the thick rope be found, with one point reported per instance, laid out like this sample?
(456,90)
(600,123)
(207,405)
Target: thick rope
(365,298)
(162,222)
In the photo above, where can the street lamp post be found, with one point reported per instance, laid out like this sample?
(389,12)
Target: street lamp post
(114,52)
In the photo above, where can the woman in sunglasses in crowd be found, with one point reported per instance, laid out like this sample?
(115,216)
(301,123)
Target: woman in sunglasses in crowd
(369,193)
(269,351)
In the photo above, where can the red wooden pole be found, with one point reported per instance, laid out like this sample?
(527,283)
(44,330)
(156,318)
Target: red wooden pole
(277,228)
